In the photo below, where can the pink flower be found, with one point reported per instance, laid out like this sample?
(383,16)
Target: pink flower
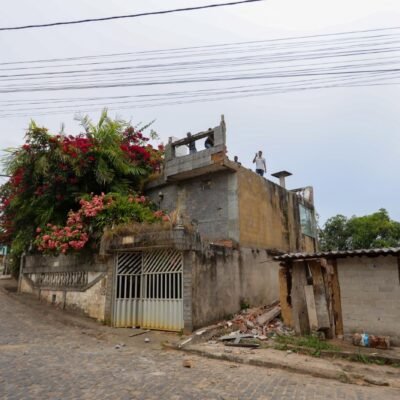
(158,214)
(38,230)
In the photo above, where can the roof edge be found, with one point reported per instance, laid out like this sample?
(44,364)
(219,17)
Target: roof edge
(340,254)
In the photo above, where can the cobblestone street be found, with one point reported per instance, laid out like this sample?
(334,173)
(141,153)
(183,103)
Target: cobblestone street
(43,358)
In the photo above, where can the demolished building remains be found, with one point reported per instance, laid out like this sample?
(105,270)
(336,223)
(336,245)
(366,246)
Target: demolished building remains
(342,292)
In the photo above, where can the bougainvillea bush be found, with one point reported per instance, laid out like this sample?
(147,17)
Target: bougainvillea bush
(96,213)
(57,179)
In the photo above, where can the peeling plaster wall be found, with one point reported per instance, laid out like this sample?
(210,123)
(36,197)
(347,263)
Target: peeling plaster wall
(240,206)
(210,199)
(94,300)
(223,278)
(370,294)
(91,302)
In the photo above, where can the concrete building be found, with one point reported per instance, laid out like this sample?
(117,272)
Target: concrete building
(230,222)
(342,292)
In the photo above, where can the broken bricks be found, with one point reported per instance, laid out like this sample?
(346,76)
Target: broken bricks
(261,322)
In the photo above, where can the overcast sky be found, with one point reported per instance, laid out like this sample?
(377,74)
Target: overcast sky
(343,141)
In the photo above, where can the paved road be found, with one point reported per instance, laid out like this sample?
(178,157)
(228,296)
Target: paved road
(43,358)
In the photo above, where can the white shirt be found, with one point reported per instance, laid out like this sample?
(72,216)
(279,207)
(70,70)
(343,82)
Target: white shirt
(260,163)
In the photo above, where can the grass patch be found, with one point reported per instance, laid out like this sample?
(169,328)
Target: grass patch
(314,346)
(366,359)
(311,343)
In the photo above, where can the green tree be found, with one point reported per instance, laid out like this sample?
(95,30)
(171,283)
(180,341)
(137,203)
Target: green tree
(369,231)
(335,234)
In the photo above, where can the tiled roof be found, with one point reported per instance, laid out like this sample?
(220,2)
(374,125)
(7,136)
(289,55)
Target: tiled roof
(339,254)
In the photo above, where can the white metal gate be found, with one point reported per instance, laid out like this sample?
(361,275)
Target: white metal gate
(127,307)
(149,290)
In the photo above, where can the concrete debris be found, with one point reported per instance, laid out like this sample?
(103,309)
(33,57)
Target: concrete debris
(366,340)
(269,315)
(186,341)
(235,335)
(241,344)
(187,363)
(139,333)
(260,323)
(250,324)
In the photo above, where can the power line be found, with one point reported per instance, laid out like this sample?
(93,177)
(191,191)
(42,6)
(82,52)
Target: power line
(146,71)
(300,51)
(241,95)
(278,65)
(206,95)
(144,14)
(291,39)
(195,79)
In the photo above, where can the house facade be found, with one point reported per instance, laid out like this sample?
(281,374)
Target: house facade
(230,222)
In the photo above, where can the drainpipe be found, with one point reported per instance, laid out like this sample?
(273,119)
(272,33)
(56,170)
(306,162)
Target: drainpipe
(21,268)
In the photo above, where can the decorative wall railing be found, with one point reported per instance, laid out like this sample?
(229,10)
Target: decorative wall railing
(71,279)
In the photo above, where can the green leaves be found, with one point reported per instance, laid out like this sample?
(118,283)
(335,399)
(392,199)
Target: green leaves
(369,231)
(49,173)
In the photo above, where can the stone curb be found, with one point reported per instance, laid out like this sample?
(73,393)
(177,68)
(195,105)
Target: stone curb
(328,374)
(332,372)
(347,355)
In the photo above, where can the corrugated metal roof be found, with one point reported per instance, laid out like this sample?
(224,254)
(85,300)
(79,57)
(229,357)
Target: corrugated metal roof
(339,254)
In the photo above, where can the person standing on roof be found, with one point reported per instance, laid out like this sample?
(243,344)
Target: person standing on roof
(191,145)
(261,166)
(210,139)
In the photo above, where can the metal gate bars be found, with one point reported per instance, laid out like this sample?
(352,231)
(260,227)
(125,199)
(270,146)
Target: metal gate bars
(149,290)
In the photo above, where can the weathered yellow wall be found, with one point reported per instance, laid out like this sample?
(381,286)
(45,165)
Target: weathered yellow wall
(269,215)
(308,244)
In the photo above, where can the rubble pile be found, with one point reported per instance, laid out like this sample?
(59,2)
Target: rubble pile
(260,322)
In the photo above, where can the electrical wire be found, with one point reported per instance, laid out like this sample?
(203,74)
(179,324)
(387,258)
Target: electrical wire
(202,64)
(222,71)
(180,49)
(332,51)
(236,92)
(143,14)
